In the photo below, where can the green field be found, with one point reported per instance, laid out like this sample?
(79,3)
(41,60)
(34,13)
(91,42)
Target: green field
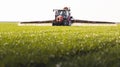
(68,46)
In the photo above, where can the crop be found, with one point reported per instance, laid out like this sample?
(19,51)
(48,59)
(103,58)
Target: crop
(59,46)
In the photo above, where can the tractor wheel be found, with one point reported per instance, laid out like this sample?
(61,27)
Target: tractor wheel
(69,23)
(53,24)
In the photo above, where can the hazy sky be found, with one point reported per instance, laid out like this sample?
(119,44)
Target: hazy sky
(38,10)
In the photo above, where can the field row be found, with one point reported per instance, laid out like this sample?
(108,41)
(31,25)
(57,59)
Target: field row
(31,46)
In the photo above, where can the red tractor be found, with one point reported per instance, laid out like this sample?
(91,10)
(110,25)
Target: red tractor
(62,17)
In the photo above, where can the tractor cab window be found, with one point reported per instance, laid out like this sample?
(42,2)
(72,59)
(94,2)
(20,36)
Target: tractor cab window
(62,12)
(67,13)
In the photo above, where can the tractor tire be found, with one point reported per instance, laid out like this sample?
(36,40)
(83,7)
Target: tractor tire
(53,24)
(69,23)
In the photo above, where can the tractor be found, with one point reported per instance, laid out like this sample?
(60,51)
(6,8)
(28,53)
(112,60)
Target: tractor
(62,17)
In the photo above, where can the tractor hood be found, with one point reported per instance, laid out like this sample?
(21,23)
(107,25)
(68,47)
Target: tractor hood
(59,18)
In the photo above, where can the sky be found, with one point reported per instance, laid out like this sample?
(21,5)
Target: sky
(40,10)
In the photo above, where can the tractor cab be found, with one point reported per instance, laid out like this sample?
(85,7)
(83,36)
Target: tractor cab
(63,13)
(62,17)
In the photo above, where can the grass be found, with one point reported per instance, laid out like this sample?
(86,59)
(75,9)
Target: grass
(36,46)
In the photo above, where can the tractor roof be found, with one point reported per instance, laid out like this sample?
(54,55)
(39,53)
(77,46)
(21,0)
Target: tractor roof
(60,10)
(64,9)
